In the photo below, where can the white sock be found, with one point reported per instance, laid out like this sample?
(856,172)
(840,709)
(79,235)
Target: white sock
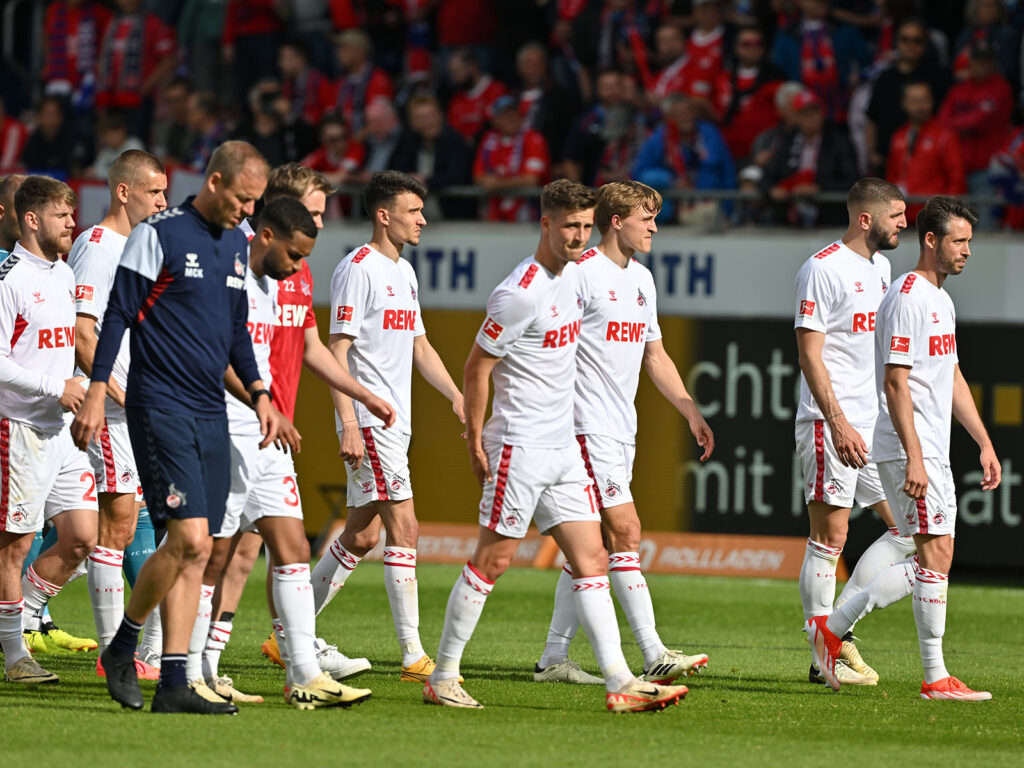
(403,595)
(593,596)
(282,648)
(106,591)
(818,579)
(564,622)
(79,572)
(10,631)
(331,572)
(201,628)
(220,633)
(930,614)
(36,591)
(293,598)
(465,604)
(153,632)
(886,550)
(635,598)
(889,586)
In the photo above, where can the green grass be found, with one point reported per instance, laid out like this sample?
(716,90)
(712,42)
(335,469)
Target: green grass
(751,706)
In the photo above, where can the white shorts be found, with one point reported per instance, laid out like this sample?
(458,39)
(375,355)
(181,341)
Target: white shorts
(41,475)
(609,464)
(384,473)
(826,478)
(112,459)
(936,513)
(547,484)
(263,484)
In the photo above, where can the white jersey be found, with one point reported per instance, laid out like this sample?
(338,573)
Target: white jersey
(917,328)
(262,296)
(374,300)
(94,258)
(620,316)
(533,325)
(37,338)
(838,293)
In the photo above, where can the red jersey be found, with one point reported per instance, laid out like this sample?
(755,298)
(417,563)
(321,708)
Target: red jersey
(132,48)
(288,341)
(13,136)
(468,111)
(353,92)
(754,110)
(325,161)
(73,37)
(704,57)
(308,95)
(508,156)
(980,113)
(928,163)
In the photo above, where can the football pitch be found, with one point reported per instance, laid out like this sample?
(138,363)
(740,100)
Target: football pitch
(753,705)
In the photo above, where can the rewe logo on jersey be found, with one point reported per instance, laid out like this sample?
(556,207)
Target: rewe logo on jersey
(942,345)
(864,322)
(52,338)
(399,319)
(567,334)
(192,268)
(624,331)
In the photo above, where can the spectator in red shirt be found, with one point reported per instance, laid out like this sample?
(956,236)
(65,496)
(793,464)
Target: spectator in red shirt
(670,54)
(705,48)
(469,108)
(137,52)
(338,158)
(465,22)
(307,90)
(72,33)
(13,135)
(252,32)
(745,93)
(925,156)
(360,82)
(510,155)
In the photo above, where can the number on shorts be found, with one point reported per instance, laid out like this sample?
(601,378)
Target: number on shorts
(292,499)
(590,498)
(90,494)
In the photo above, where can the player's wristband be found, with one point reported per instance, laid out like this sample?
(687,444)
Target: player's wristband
(256,395)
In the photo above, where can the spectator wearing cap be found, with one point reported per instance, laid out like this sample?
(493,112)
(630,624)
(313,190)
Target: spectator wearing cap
(925,156)
(979,110)
(510,155)
(544,106)
(360,83)
(912,64)
(684,152)
(813,157)
(986,22)
(306,89)
(470,106)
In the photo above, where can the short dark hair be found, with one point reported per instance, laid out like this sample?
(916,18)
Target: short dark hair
(130,165)
(915,81)
(938,214)
(38,191)
(568,196)
(285,216)
(872,191)
(385,186)
(8,186)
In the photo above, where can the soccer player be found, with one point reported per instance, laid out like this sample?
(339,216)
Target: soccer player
(138,185)
(377,333)
(9,231)
(526,457)
(42,474)
(918,373)
(838,291)
(180,287)
(618,334)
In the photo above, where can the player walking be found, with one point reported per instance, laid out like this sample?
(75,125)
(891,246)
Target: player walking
(838,291)
(526,457)
(619,333)
(918,372)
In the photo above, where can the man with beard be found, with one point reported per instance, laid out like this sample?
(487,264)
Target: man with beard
(838,291)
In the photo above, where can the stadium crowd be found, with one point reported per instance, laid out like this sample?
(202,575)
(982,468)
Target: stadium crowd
(782,99)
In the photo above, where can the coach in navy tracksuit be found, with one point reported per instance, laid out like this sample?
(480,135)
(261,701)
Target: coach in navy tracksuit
(180,287)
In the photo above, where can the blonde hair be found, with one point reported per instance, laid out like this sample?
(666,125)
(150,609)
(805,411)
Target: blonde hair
(621,198)
(294,180)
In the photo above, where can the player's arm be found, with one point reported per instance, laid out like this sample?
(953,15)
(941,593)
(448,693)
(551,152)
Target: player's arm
(476,378)
(431,368)
(324,366)
(665,375)
(896,386)
(235,387)
(850,446)
(85,351)
(966,412)
(351,448)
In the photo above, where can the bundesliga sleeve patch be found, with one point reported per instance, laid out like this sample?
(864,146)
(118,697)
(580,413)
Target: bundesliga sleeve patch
(492,330)
(900,345)
(344,314)
(84,292)
(806,308)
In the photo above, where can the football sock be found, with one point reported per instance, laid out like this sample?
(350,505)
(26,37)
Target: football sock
(886,550)
(597,615)
(564,622)
(892,584)
(930,615)
(331,572)
(635,598)
(818,579)
(33,552)
(10,631)
(153,634)
(282,649)
(141,547)
(36,592)
(220,633)
(293,597)
(172,670)
(403,595)
(126,637)
(465,604)
(106,591)
(201,628)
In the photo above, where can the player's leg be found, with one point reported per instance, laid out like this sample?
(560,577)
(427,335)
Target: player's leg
(19,667)
(244,549)
(360,535)
(399,521)
(142,544)
(105,565)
